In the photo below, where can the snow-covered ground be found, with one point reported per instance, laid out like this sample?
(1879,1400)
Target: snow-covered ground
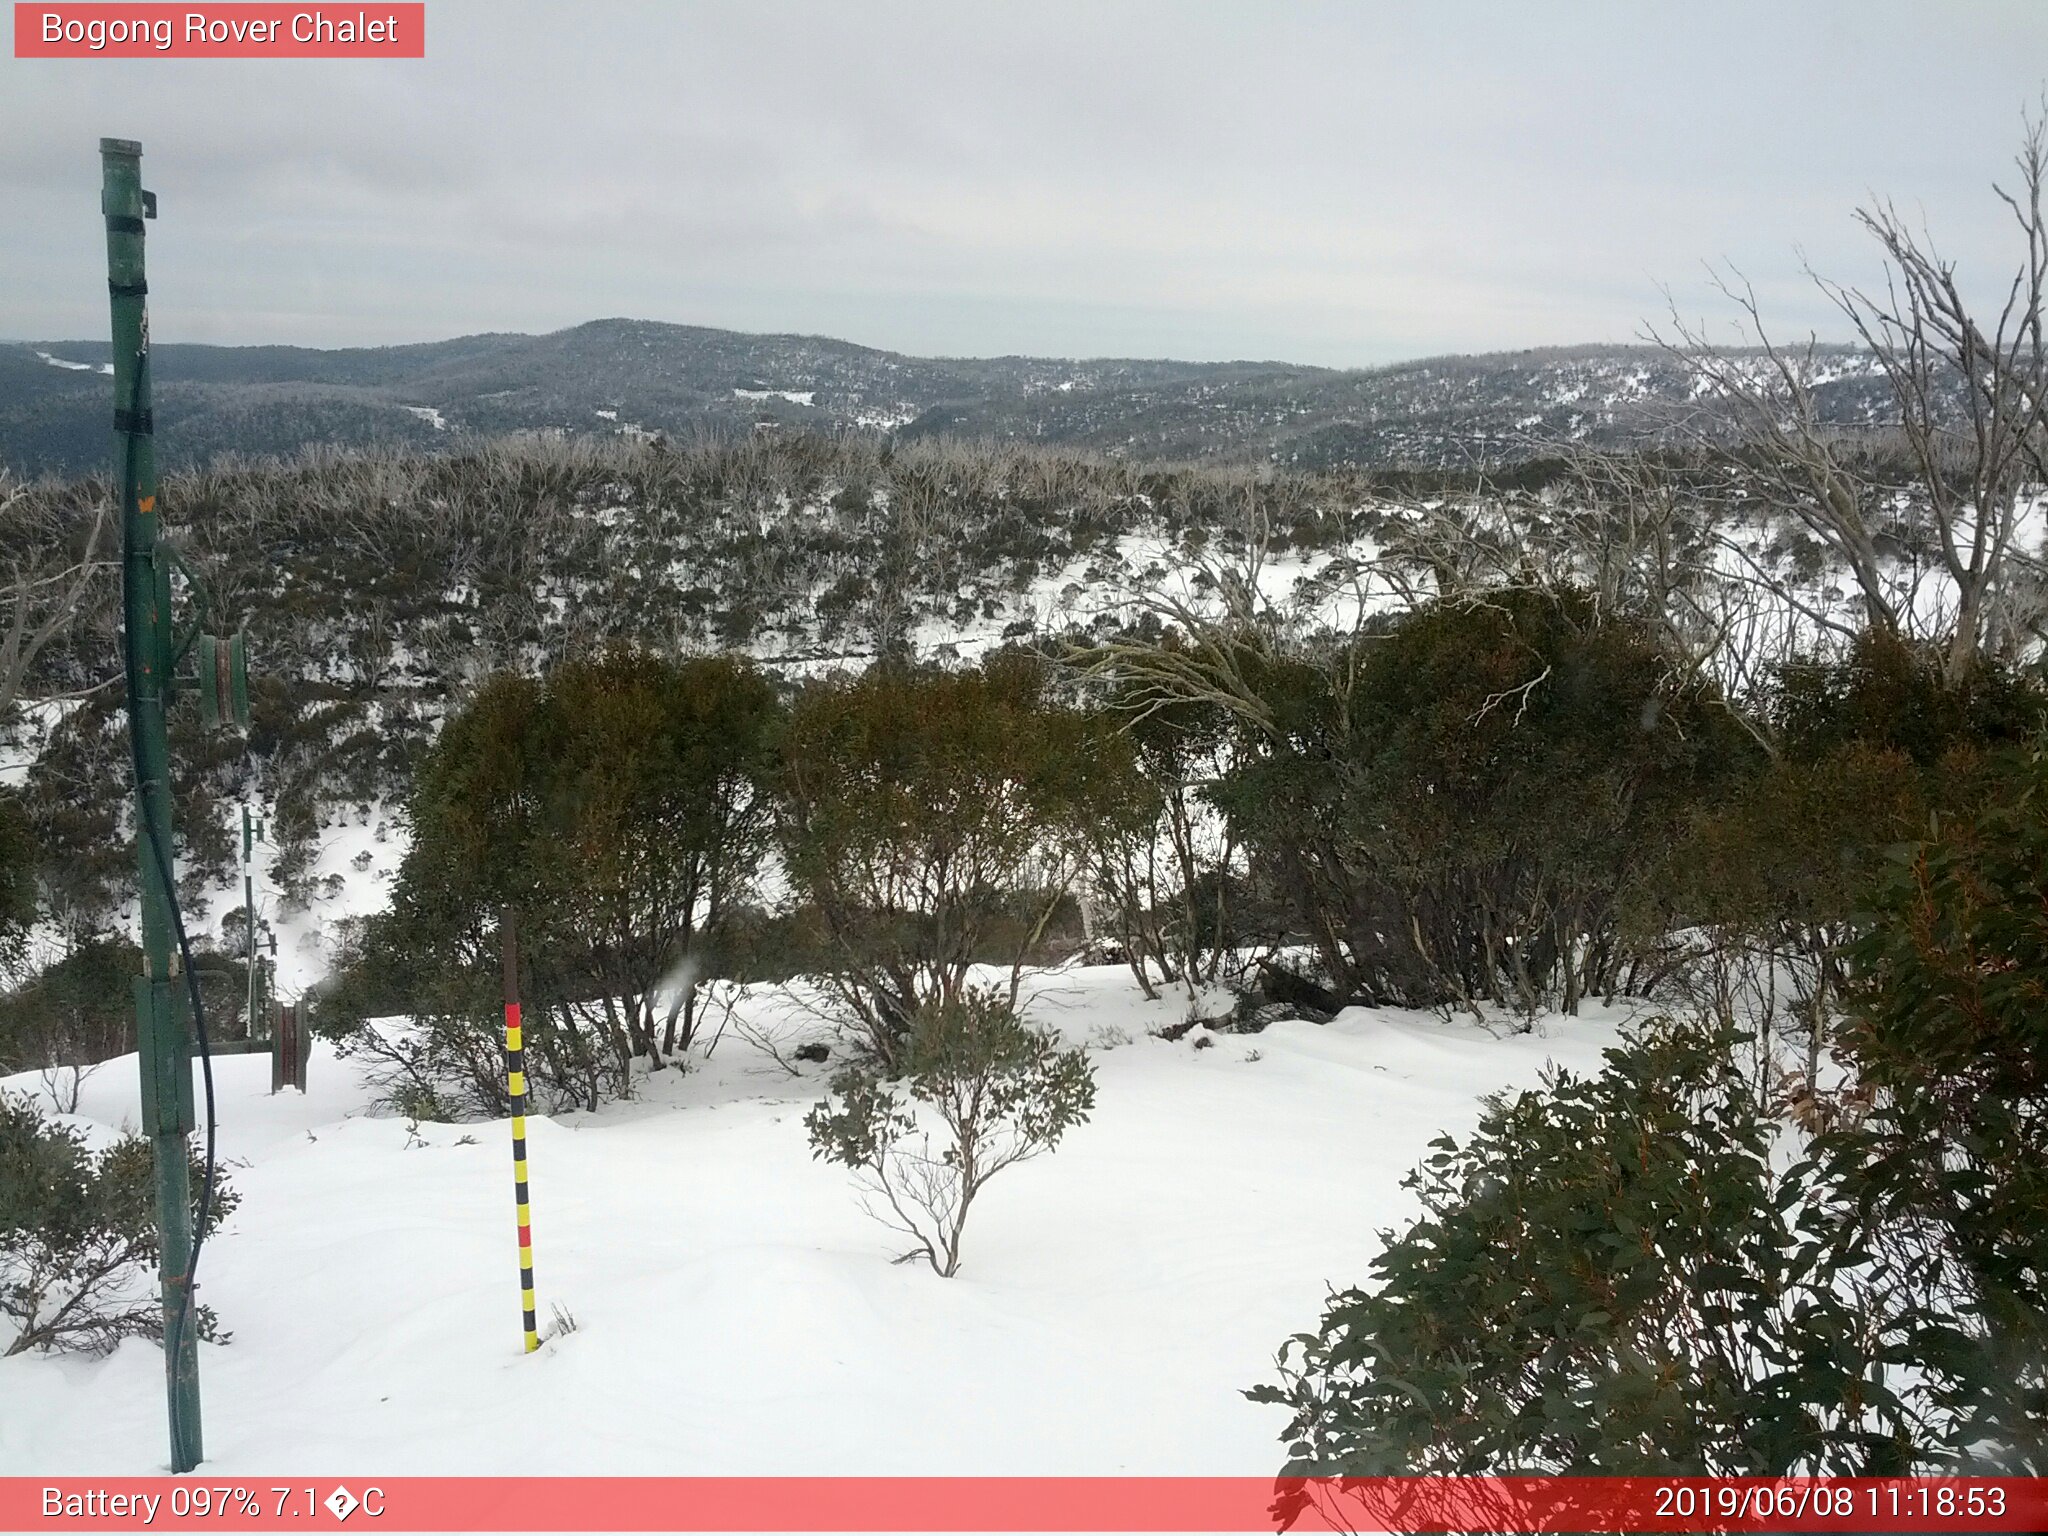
(738,1314)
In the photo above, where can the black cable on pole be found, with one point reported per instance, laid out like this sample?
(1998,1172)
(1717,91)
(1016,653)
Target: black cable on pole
(174,1337)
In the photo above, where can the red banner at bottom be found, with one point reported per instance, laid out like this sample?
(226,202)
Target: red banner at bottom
(920,1504)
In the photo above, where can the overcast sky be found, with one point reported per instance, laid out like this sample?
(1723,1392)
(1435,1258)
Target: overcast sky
(1344,183)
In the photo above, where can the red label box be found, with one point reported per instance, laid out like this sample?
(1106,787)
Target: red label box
(116,31)
(1674,1506)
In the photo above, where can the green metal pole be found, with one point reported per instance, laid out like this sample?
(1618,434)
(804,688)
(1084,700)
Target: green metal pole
(162,1028)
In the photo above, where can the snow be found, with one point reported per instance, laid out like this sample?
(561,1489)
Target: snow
(887,418)
(23,739)
(738,1314)
(303,935)
(1110,582)
(430,416)
(58,362)
(793,396)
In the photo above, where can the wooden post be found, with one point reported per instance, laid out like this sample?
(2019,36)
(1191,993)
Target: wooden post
(289,1046)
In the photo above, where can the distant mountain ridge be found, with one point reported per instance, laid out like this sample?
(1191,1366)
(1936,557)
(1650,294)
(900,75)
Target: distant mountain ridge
(638,376)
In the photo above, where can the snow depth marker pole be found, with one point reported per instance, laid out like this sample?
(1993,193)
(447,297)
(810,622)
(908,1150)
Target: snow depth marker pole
(515,1085)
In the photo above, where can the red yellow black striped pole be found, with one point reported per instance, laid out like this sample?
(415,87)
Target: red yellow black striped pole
(515,1085)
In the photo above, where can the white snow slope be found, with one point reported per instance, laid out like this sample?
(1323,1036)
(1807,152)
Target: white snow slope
(738,1314)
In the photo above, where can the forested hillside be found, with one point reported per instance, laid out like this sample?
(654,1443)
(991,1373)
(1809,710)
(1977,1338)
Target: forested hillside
(377,587)
(622,377)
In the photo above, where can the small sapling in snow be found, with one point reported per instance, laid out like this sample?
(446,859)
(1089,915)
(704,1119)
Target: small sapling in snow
(1000,1092)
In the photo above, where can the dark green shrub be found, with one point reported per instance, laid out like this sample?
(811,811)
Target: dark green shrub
(621,806)
(1609,1277)
(1948,1032)
(74,797)
(76,1011)
(1769,882)
(1165,890)
(1466,806)
(1888,694)
(1873,744)
(18,854)
(78,1236)
(923,814)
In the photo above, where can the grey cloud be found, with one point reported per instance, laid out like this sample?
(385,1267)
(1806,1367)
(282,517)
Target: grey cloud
(1327,182)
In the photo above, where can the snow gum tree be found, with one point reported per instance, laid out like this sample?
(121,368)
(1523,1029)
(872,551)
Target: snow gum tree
(1968,382)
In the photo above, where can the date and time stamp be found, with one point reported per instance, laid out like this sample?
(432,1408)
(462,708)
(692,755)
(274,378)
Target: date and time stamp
(1877,1507)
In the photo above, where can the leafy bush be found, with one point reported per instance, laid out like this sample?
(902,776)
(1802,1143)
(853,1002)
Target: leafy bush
(446,1061)
(924,813)
(1889,694)
(1001,1093)
(1163,873)
(78,1010)
(73,797)
(1768,885)
(1610,1277)
(18,853)
(1873,743)
(78,1236)
(1948,1029)
(1465,806)
(620,806)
